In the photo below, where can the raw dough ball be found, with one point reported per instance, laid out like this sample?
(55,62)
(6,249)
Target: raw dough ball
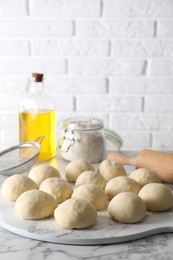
(121,184)
(41,172)
(58,188)
(75,213)
(157,197)
(144,176)
(35,204)
(127,207)
(110,169)
(15,185)
(92,177)
(75,168)
(91,193)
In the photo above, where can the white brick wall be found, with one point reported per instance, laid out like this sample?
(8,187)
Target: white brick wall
(107,58)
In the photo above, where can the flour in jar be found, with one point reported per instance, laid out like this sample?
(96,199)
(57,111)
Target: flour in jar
(85,145)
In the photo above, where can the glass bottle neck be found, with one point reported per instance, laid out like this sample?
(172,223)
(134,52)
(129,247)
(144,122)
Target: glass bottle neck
(36,87)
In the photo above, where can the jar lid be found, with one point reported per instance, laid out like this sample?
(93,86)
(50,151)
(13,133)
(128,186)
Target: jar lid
(114,141)
(83,124)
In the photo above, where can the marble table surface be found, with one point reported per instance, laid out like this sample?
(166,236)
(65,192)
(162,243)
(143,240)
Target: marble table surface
(153,247)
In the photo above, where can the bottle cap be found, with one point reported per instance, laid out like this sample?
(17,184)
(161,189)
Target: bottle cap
(38,77)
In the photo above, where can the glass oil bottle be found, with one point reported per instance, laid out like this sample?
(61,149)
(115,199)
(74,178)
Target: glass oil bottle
(37,117)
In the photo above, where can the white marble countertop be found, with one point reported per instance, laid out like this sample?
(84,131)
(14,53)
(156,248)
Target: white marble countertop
(155,247)
(15,246)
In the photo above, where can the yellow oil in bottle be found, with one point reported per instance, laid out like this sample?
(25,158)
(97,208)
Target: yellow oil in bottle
(33,125)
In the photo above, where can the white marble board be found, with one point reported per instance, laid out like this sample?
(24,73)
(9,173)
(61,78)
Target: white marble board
(106,231)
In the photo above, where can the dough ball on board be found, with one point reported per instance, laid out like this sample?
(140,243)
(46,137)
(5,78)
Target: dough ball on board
(15,185)
(92,193)
(43,171)
(75,168)
(75,214)
(110,169)
(58,188)
(127,207)
(121,184)
(156,196)
(144,176)
(91,177)
(35,204)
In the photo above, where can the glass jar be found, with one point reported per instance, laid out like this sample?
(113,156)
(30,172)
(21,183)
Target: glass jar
(86,139)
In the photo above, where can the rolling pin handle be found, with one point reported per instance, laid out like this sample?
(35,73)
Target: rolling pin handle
(121,158)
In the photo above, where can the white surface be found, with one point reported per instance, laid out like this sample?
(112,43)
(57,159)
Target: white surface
(106,230)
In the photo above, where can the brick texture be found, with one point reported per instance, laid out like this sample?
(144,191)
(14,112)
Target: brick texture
(70,48)
(13,8)
(110,59)
(107,67)
(115,28)
(66,8)
(142,8)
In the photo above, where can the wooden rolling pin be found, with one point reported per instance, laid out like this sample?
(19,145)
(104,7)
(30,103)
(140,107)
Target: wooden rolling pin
(160,162)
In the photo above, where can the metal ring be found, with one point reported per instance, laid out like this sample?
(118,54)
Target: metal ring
(71,140)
